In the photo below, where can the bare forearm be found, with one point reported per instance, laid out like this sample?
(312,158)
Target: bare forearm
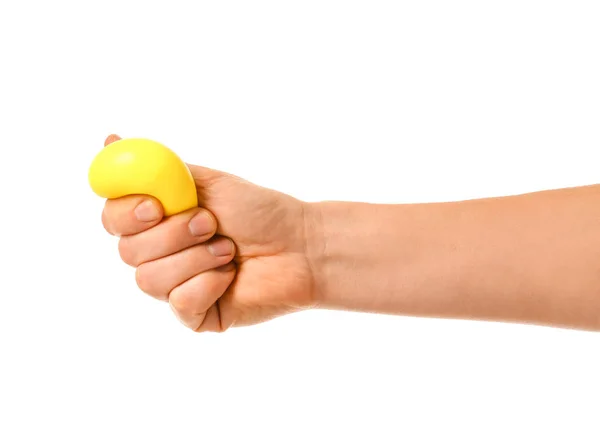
(532,258)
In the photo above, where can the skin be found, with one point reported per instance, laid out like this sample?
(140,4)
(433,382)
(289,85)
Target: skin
(249,254)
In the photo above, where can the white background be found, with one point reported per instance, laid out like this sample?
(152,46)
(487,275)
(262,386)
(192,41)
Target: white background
(373,101)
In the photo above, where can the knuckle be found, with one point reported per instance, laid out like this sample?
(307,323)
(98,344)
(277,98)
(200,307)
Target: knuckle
(128,253)
(106,222)
(182,303)
(144,282)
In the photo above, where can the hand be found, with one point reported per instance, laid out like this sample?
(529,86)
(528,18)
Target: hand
(239,259)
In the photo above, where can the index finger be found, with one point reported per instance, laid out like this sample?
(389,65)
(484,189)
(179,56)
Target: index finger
(131,214)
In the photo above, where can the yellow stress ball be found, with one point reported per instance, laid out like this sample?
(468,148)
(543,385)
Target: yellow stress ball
(143,166)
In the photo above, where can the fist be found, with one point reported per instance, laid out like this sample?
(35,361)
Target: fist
(251,267)
(178,259)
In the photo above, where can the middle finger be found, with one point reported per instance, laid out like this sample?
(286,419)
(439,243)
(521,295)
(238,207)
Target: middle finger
(173,234)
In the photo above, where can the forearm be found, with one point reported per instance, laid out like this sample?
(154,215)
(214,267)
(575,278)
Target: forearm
(532,258)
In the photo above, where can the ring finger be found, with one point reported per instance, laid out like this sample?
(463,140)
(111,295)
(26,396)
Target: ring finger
(158,277)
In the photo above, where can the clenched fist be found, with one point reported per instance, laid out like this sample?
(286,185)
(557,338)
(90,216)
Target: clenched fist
(239,259)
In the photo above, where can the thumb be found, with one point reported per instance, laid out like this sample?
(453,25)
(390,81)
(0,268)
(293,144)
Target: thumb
(204,176)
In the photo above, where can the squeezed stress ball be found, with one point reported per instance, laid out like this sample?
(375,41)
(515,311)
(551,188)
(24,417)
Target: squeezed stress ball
(143,166)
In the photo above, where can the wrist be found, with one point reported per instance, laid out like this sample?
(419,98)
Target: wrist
(384,258)
(345,244)
(314,248)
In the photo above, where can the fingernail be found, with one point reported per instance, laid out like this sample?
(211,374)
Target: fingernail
(226,268)
(201,224)
(111,139)
(222,247)
(146,211)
